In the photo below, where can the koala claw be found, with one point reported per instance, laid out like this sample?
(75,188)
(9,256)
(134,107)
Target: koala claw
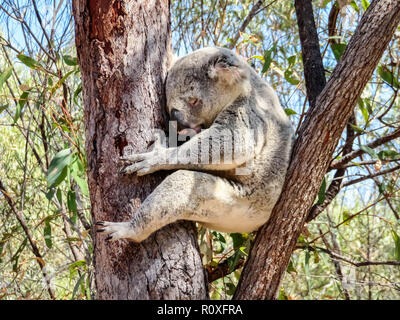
(132,158)
(115,230)
(140,168)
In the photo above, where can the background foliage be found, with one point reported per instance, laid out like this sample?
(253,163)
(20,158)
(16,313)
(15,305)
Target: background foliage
(349,251)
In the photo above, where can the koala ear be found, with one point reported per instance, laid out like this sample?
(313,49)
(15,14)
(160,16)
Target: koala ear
(226,70)
(173,58)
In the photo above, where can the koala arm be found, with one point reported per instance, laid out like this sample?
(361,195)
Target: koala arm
(216,148)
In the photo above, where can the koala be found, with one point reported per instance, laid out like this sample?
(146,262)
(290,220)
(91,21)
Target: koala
(230,173)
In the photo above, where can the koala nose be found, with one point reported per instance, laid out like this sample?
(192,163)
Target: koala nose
(175,115)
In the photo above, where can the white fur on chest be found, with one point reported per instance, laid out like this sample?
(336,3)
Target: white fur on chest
(229,213)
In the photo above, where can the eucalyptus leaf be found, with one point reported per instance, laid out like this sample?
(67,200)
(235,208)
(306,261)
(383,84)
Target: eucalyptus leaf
(321,192)
(5,75)
(4,107)
(290,112)
(388,77)
(58,168)
(365,4)
(396,239)
(69,60)
(28,61)
(370,151)
(47,233)
(20,105)
(338,49)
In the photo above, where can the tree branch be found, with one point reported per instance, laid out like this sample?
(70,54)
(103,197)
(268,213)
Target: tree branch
(313,150)
(312,61)
(336,164)
(222,270)
(334,255)
(371,176)
(253,12)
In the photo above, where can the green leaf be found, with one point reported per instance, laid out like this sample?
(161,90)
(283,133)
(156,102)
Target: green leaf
(73,267)
(261,58)
(233,260)
(47,233)
(365,4)
(242,250)
(364,110)
(267,61)
(338,49)
(77,92)
(290,267)
(28,61)
(20,105)
(58,168)
(316,257)
(77,285)
(82,183)
(268,58)
(346,215)
(69,60)
(290,112)
(307,267)
(357,129)
(231,288)
(355,6)
(388,77)
(282,295)
(88,295)
(4,107)
(321,192)
(5,75)
(396,239)
(77,169)
(71,204)
(301,240)
(16,255)
(291,61)
(370,151)
(60,82)
(368,105)
(238,240)
(289,77)
(388,154)
(59,196)
(221,241)
(50,194)
(382,188)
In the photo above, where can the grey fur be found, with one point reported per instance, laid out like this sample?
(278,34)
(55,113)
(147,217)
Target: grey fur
(216,89)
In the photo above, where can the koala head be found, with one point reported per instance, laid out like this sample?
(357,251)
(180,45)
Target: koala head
(200,85)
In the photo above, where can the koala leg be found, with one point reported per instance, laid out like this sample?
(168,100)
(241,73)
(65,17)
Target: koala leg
(184,195)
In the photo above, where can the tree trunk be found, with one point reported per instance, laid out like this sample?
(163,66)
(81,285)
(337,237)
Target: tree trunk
(123,49)
(314,73)
(313,151)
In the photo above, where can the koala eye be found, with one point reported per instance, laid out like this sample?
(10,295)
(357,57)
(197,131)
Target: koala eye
(224,62)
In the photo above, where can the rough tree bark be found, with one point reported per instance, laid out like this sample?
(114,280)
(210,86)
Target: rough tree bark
(314,73)
(313,150)
(123,48)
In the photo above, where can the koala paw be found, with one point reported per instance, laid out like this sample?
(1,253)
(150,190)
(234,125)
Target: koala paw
(141,163)
(145,163)
(116,230)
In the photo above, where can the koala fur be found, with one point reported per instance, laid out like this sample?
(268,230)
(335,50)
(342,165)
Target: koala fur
(216,90)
